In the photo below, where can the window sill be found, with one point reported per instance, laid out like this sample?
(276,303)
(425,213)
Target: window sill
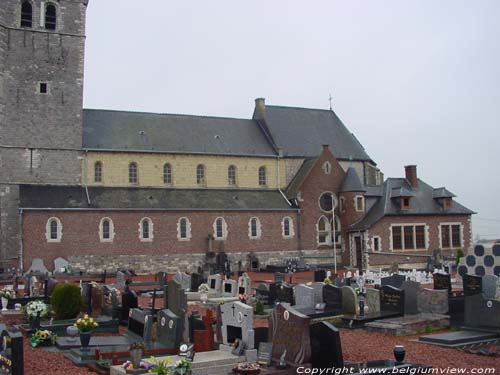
(183,239)
(54,240)
(146,239)
(106,240)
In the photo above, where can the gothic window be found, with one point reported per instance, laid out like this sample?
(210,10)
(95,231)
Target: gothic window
(53,230)
(50,16)
(262,176)
(98,171)
(220,229)
(231,175)
(287,230)
(200,174)
(26,14)
(183,229)
(133,173)
(167,174)
(106,230)
(146,229)
(324,231)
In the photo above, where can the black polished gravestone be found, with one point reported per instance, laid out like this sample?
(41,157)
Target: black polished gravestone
(262,294)
(395,280)
(326,348)
(332,296)
(392,300)
(319,276)
(279,277)
(196,280)
(285,294)
(140,323)
(472,284)
(168,328)
(273,293)
(129,301)
(11,352)
(442,281)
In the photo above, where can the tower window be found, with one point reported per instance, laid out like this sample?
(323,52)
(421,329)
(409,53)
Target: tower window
(132,173)
(98,171)
(26,14)
(50,17)
(44,88)
(167,174)
(262,176)
(231,175)
(200,175)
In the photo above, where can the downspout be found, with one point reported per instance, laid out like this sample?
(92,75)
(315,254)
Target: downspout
(85,177)
(280,154)
(21,260)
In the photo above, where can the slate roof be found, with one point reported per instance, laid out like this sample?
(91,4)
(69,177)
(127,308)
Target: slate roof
(155,132)
(398,192)
(300,176)
(301,132)
(74,197)
(442,193)
(422,203)
(351,182)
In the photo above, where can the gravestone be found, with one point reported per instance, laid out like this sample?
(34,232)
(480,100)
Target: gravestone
(11,352)
(289,331)
(442,281)
(372,300)
(392,299)
(490,286)
(472,284)
(87,297)
(339,282)
(433,301)
(481,312)
(140,322)
(411,289)
(244,284)
(279,277)
(184,279)
(38,267)
(60,265)
(120,279)
(326,347)
(237,323)
(318,292)
(304,296)
(273,293)
(161,279)
(97,300)
(215,283)
(395,280)
(265,353)
(319,275)
(51,284)
(284,293)
(332,296)
(229,288)
(196,281)
(169,327)
(349,300)
(262,293)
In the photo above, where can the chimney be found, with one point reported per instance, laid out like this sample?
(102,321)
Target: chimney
(260,109)
(411,175)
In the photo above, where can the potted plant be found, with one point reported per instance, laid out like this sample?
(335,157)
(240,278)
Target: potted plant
(6,294)
(34,311)
(85,326)
(136,350)
(203,290)
(43,338)
(160,367)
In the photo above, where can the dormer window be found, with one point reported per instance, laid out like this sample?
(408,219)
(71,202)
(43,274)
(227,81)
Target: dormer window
(405,203)
(446,203)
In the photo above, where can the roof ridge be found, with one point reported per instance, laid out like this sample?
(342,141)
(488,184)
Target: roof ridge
(307,108)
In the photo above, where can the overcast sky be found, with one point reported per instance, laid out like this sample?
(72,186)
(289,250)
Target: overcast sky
(416,81)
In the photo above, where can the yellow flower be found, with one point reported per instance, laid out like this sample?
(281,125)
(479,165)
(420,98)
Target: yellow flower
(95,324)
(78,321)
(168,360)
(86,316)
(91,320)
(74,325)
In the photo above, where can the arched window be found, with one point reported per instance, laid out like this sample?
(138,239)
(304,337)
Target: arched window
(220,229)
(262,176)
(106,230)
(146,229)
(231,175)
(98,171)
(254,228)
(26,14)
(324,231)
(167,173)
(200,174)
(53,230)
(50,16)
(183,229)
(287,229)
(133,173)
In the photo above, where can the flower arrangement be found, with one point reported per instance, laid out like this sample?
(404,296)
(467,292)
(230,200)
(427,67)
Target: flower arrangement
(43,337)
(243,297)
(327,280)
(137,345)
(160,367)
(36,309)
(203,288)
(182,367)
(86,324)
(8,293)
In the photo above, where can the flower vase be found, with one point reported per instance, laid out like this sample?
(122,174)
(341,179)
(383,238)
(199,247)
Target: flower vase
(5,302)
(135,357)
(85,339)
(204,297)
(35,322)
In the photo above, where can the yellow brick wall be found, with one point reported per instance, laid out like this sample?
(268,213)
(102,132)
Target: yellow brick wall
(150,169)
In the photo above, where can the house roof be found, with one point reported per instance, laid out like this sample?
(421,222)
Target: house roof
(155,132)
(442,193)
(300,176)
(75,197)
(301,132)
(422,203)
(351,182)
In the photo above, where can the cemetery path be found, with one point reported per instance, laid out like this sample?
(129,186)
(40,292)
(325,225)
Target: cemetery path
(363,346)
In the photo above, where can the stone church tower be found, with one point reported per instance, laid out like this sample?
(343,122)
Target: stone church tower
(42,47)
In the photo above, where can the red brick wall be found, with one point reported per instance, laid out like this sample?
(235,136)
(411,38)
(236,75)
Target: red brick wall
(80,233)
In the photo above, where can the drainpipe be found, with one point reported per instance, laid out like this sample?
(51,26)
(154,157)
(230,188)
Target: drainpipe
(21,260)
(280,155)
(85,177)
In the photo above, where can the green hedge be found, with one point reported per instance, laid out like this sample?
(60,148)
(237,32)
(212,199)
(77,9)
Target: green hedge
(66,301)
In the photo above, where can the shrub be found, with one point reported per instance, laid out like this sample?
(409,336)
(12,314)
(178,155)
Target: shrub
(429,329)
(259,308)
(66,301)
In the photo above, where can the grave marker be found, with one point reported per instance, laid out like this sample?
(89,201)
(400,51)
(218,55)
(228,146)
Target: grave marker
(326,347)
(372,300)
(244,284)
(237,323)
(433,301)
(349,300)
(229,288)
(168,328)
(411,289)
(11,353)
(332,296)
(442,281)
(395,280)
(490,286)
(472,284)
(284,293)
(392,299)
(304,296)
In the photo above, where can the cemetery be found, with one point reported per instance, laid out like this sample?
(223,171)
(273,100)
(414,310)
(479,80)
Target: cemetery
(249,322)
